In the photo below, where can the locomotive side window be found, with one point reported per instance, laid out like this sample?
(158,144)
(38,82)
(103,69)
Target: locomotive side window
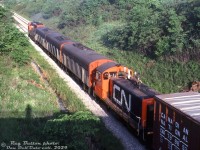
(120,74)
(105,75)
(113,74)
(98,76)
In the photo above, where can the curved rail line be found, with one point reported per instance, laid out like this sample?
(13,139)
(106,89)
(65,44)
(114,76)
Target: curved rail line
(21,18)
(21,23)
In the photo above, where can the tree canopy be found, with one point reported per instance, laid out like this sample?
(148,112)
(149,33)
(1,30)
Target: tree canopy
(156,28)
(12,42)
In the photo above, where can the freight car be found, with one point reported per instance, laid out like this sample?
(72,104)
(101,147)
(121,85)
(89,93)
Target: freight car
(111,82)
(177,121)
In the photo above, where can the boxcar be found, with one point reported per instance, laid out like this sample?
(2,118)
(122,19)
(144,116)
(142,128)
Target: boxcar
(177,121)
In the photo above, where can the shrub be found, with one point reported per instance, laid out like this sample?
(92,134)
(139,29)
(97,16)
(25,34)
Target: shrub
(13,42)
(74,128)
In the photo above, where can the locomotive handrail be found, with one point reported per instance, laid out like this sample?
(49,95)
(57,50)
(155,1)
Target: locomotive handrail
(138,129)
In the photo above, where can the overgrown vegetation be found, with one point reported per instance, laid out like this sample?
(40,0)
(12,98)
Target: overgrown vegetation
(159,39)
(168,29)
(15,43)
(159,30)
(28,108)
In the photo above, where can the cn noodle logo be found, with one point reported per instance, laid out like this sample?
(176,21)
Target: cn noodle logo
(120,98)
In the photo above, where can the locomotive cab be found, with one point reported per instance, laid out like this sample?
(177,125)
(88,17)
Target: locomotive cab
(32,26)
(103,75)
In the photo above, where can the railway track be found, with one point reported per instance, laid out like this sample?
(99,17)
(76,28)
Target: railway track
(22,23)
(129,141)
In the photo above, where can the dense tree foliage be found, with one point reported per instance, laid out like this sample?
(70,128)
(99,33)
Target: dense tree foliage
(12,42)
(139,34)
(73,130)
(160,29)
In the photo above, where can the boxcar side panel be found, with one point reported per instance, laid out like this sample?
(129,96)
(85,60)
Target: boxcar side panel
(174,130)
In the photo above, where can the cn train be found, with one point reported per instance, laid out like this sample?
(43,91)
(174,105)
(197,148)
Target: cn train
(100,76)
(115,84)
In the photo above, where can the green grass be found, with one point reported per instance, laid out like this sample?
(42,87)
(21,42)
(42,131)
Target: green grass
(17,91)
(17,96)
(28,107)
(29,112)
(69,97)
(102,138)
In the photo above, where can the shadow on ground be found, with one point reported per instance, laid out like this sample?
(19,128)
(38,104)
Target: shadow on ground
(72,131)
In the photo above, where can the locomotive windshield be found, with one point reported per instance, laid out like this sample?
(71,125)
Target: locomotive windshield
(121,74)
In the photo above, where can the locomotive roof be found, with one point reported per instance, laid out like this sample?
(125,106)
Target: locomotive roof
(81,54)
(36,23)
(43,31)
(142,91)
(56,39)
(106,66)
